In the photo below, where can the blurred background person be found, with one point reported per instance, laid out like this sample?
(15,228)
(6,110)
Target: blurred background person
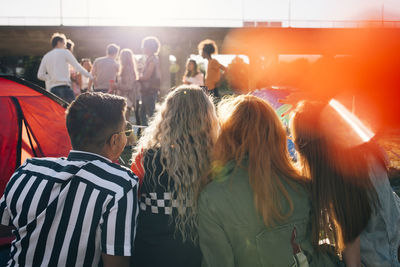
(354,208)
(75,76)
(84,81)
(256,210)
(173,156)
(213,74)
(105,70)
(150,78)
(127,85)
(192,74)
(54,68)
(70,45)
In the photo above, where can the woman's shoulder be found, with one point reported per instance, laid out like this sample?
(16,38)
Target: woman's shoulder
(150,153)
(213,62)
(224,177)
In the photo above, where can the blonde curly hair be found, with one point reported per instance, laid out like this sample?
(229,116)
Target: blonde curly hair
(183,132)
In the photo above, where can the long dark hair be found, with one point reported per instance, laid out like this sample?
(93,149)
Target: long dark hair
(342,193)
(195,69)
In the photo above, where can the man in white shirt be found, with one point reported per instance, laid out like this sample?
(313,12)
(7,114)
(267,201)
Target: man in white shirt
(105,70)
(54,69)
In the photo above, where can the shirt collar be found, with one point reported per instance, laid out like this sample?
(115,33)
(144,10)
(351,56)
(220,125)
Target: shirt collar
(84,155)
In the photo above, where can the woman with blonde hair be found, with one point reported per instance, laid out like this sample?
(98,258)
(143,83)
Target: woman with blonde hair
(173,156)
(127,85)
(354,207)
(255,212)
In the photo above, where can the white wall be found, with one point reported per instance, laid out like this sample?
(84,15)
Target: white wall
(204,13)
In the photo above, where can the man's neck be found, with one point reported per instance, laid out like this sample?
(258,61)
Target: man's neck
(100,153)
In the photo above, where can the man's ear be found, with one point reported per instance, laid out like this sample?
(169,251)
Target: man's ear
(113,139)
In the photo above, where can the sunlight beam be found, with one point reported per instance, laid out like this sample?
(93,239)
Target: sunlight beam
(362,131)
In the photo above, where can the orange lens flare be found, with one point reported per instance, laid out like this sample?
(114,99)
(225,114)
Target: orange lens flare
(362,131)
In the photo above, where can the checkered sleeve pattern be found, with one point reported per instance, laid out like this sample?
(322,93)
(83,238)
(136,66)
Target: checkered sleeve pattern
(158,203)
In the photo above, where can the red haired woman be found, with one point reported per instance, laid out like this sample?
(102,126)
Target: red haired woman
(256,211)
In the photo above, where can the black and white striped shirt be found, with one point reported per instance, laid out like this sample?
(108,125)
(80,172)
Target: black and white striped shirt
(67,211)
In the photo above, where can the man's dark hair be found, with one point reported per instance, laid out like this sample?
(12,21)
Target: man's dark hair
(208,46)
(152,44)
(70,45)
(92,118)
(112,49)
(57,37)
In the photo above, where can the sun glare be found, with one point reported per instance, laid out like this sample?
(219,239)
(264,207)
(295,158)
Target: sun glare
(362,131)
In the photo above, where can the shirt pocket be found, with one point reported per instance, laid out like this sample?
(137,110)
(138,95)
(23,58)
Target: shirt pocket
(274,246)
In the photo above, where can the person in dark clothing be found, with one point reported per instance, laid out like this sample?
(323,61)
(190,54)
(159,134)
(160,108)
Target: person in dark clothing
(150,78)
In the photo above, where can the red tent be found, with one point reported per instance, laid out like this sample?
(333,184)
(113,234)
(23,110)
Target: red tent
(32,124)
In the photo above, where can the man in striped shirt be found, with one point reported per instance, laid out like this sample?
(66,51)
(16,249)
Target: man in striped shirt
(80,210)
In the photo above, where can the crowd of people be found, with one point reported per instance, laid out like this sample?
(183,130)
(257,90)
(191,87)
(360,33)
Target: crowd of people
(209,185)
(118,73)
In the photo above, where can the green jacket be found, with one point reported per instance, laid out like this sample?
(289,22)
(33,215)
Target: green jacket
(232,233)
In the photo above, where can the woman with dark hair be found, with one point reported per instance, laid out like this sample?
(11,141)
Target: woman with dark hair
(192,74)
(255,212)
(150,78)
(353,205)
(172,156)
(213,75)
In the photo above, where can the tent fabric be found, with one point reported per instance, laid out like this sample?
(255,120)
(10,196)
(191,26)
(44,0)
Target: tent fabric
(32,123)
(8,140)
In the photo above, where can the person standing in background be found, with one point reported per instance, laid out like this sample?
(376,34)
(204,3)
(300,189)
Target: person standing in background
(127,85)
(54,70)
(150,78)
(84,81)
(74,75)
(213,74)
(105,70)
(192,74)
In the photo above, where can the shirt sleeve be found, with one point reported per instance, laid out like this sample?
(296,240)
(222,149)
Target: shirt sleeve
(74,63)
(199,79)
(42,73)
(214,243)
(116,66)
(94,68)
(137,168)
(389,203)
(118,228)
(4,214)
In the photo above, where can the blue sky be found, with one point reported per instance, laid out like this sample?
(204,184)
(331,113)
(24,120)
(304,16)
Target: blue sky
(204,13)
